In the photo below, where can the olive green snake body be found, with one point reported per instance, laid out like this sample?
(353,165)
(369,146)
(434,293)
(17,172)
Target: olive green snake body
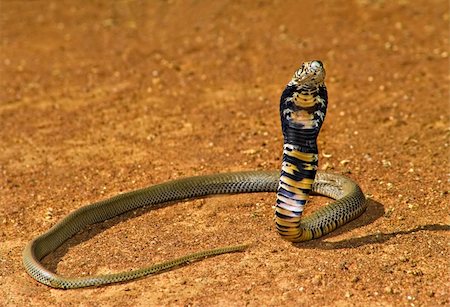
(350,203)
(303,108)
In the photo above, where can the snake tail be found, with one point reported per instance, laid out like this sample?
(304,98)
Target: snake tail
(61,282)
(191,187)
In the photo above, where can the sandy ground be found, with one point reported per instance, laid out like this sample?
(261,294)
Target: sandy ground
(98,98)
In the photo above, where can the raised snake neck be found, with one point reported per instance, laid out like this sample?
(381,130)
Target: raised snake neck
(298,177)
(303,106)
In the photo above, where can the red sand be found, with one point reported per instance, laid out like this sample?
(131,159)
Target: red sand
(100,98)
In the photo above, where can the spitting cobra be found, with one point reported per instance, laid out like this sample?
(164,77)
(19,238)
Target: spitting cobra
(302,111)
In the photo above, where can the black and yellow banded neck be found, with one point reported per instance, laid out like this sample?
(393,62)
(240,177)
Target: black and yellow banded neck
(302,110)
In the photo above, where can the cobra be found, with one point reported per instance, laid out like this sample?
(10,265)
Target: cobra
(302,110)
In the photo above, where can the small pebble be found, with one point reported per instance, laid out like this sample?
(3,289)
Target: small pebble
(416,272)
(49,214)
(344,162)
(355,279)
(386,163)
(317,280)
(326,166)
(403,259)
(388,212)
(410,297)
(250,151)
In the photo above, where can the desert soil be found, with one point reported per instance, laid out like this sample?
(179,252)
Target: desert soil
(99,98)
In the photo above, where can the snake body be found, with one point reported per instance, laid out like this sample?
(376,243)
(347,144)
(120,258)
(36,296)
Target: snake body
(302,108)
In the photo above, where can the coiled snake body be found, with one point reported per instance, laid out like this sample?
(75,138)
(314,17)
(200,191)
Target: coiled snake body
(302,110)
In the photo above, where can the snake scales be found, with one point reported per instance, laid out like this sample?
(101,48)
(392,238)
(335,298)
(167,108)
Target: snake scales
(302,110)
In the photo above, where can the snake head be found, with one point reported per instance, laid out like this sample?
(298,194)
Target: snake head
(309,74)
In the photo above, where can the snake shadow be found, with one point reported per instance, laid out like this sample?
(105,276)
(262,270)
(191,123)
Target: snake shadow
(374,211)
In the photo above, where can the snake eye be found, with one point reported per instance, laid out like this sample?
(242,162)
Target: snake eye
(316,64)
